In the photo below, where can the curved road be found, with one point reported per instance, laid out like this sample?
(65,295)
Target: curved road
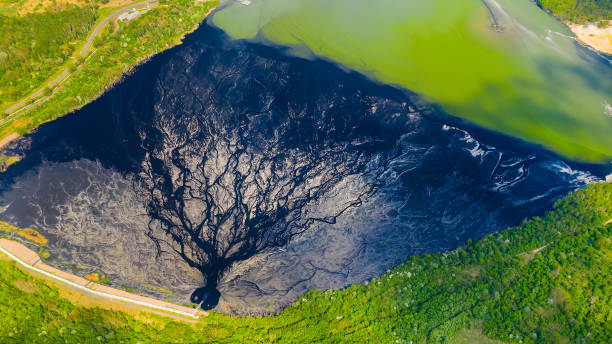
(83,52)
(106,20)
(124,298)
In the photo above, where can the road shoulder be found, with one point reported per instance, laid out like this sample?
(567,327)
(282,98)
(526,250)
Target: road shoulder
(31,261)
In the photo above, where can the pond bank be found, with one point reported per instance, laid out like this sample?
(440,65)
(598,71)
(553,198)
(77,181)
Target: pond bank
(590,34)
(32,261)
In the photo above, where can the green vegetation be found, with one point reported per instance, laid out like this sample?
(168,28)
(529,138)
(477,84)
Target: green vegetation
(6,161)
(125,287)
(43,253)
(34,46)
(75,269)
(159,29)
(161,290)
(579,11)
(544,281)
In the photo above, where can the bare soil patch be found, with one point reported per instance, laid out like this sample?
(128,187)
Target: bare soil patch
(596,37)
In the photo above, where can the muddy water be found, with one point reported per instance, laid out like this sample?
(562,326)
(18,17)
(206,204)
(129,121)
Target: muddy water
(502,64)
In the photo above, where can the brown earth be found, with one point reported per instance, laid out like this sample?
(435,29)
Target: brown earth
(8,139)
(594,36)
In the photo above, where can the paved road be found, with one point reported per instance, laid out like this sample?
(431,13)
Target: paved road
(148,310)
(39,92)
(159,307)
(106,20)
(83,52)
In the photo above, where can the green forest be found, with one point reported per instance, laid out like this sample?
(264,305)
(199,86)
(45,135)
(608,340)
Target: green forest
(118,51)
(546,280)
(34,46)
(579,11)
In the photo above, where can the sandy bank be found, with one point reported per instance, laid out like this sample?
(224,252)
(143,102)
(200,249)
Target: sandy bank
(8,139)
(590,34)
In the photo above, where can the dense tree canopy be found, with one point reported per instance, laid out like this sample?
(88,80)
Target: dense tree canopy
(579,11)
(34,46)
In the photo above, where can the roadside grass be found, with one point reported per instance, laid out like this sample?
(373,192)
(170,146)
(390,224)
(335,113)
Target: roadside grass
(70,62)
(29,56)
(102,13)
(39,283)
(154,31)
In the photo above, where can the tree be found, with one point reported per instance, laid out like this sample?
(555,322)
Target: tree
(72,66)
(98,41)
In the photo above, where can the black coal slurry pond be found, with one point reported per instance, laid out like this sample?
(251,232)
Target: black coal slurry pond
(227,167)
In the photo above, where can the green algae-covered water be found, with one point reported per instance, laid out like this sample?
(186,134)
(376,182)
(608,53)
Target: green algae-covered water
(503,64)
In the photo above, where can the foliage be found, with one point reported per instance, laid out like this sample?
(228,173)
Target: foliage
(34,46)
(159,29)
(6,161)
(544,281)
(579,11)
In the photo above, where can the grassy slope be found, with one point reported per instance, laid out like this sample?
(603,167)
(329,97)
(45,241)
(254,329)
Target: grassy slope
(579,11)
(545,281)
(157,30)
(36,45)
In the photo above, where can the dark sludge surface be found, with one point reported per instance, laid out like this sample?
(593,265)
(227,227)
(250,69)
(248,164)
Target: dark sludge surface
(238,177)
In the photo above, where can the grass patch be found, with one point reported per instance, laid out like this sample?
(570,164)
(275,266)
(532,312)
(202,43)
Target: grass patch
(25,285)
(97,277)
(161,290)
(473,336)
(159,29)
(43,253)
(6,161)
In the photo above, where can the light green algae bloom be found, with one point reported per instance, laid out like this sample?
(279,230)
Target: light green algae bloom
(531,80)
